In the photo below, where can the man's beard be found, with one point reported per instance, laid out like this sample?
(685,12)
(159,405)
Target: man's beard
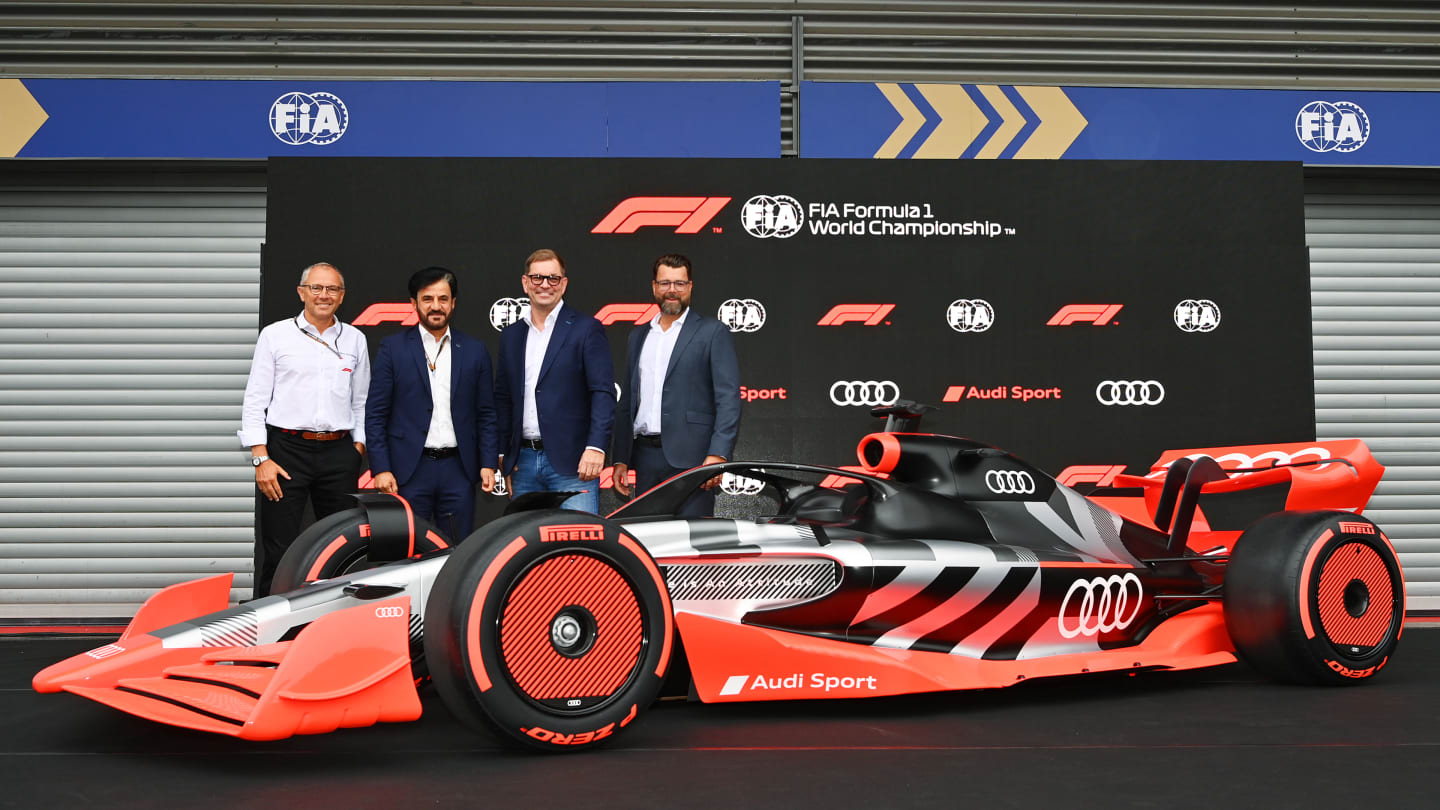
(672,306)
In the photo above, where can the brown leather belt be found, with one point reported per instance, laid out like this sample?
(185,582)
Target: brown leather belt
(314,436)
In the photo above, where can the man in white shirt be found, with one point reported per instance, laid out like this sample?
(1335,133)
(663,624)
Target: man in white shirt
(431,412)
(680,406)
(554,391)
(304,417)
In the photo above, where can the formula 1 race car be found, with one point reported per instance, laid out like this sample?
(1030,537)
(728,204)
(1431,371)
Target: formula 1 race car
(938,564)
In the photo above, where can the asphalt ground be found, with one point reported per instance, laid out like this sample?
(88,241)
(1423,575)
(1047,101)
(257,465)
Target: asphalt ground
(1216,738)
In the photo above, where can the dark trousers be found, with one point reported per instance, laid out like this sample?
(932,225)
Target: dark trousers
(651,468)
(326,474)
(439,492)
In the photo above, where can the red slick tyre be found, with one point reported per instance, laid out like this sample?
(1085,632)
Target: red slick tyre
(1315,597)
(338,545)
(551,629)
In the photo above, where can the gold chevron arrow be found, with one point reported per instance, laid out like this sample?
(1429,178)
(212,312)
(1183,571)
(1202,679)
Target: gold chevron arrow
(910,120)
(20,117)
(1060,122)
(960,121)
(1012,120)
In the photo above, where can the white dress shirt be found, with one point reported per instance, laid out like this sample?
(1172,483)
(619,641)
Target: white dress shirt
(438,353)
(654,361)
(535,344)
(301,379)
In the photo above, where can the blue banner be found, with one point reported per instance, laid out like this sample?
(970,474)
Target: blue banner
(1323,127)
(118,118)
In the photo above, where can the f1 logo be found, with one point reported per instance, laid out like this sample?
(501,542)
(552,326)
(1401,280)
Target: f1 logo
(868,314)
(630,313)
(1101,475)
(1098,314)
(687,214)
(376,314)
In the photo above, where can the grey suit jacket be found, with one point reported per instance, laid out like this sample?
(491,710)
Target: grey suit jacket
(700,404)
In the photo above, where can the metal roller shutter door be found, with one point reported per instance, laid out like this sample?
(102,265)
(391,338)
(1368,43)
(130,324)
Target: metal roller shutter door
(129,317)
(1375,297)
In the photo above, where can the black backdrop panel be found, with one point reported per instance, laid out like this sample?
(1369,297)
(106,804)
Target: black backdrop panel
(1025,238)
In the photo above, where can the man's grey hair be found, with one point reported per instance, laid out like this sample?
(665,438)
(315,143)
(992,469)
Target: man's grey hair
(305,274)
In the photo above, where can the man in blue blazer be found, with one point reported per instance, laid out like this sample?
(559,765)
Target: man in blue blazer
(555,392)
(681,401)
(430,417)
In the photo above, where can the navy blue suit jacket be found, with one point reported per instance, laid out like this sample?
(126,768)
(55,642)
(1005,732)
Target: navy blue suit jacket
(700,401)
(574,396)
(397,414)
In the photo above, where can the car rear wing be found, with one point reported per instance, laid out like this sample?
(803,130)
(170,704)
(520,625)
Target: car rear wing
(1340,474)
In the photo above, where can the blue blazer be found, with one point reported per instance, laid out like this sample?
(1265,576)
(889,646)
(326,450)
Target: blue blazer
(574,395)
(700,401)
(397,414)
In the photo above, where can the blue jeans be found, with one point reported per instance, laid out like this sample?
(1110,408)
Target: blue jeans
(533,473)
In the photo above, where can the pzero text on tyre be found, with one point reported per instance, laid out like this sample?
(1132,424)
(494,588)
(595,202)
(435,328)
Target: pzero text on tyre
(1315,597)
(552,629)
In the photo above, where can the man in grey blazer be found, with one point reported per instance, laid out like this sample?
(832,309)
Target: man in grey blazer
(680,406)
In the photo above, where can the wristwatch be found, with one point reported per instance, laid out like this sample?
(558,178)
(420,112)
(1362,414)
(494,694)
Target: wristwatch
(258,460)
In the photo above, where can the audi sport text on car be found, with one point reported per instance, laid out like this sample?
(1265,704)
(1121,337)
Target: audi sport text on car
(938,563)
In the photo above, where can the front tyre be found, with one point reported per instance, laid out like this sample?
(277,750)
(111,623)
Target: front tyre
(551,629)
(1315,597)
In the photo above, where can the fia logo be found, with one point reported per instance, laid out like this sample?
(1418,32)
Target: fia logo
(765,216)
(313,118)
(970,315)
(741,314)
(1323,126)
(507,311)
(1192,315)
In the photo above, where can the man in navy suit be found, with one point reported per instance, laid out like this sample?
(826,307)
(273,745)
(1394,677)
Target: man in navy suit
(431,412)
(555,392)
(681,401)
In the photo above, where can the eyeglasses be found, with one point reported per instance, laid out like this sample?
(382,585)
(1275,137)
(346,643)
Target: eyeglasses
(678,285)
(540,281)
(327,288)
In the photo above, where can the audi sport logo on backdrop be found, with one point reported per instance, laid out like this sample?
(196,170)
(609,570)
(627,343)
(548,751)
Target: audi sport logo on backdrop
(1010,482)
(1130,392)
(970,315)
(314,118)
(629,313)
(687,214)
(1021,393)
(376,314)
(1100,605)
(733,484)
(752,394)
(765,216)
(741,314)
(1097,314)
(1192,315)
(507,311)
(864,392)
(868,314)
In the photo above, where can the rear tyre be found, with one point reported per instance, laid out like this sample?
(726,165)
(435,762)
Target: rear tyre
(551,629)
(1315,597)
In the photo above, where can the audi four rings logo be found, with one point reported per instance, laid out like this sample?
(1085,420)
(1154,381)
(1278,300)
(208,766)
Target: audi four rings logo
(864,392)
(1192,315)
(741,314)
(740,485)
(1010,482)
(970,315)
(1100,605)
(389,612)
(507,311)
(1130,392)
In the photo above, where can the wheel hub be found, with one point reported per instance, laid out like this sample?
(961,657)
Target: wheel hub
(573,631)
